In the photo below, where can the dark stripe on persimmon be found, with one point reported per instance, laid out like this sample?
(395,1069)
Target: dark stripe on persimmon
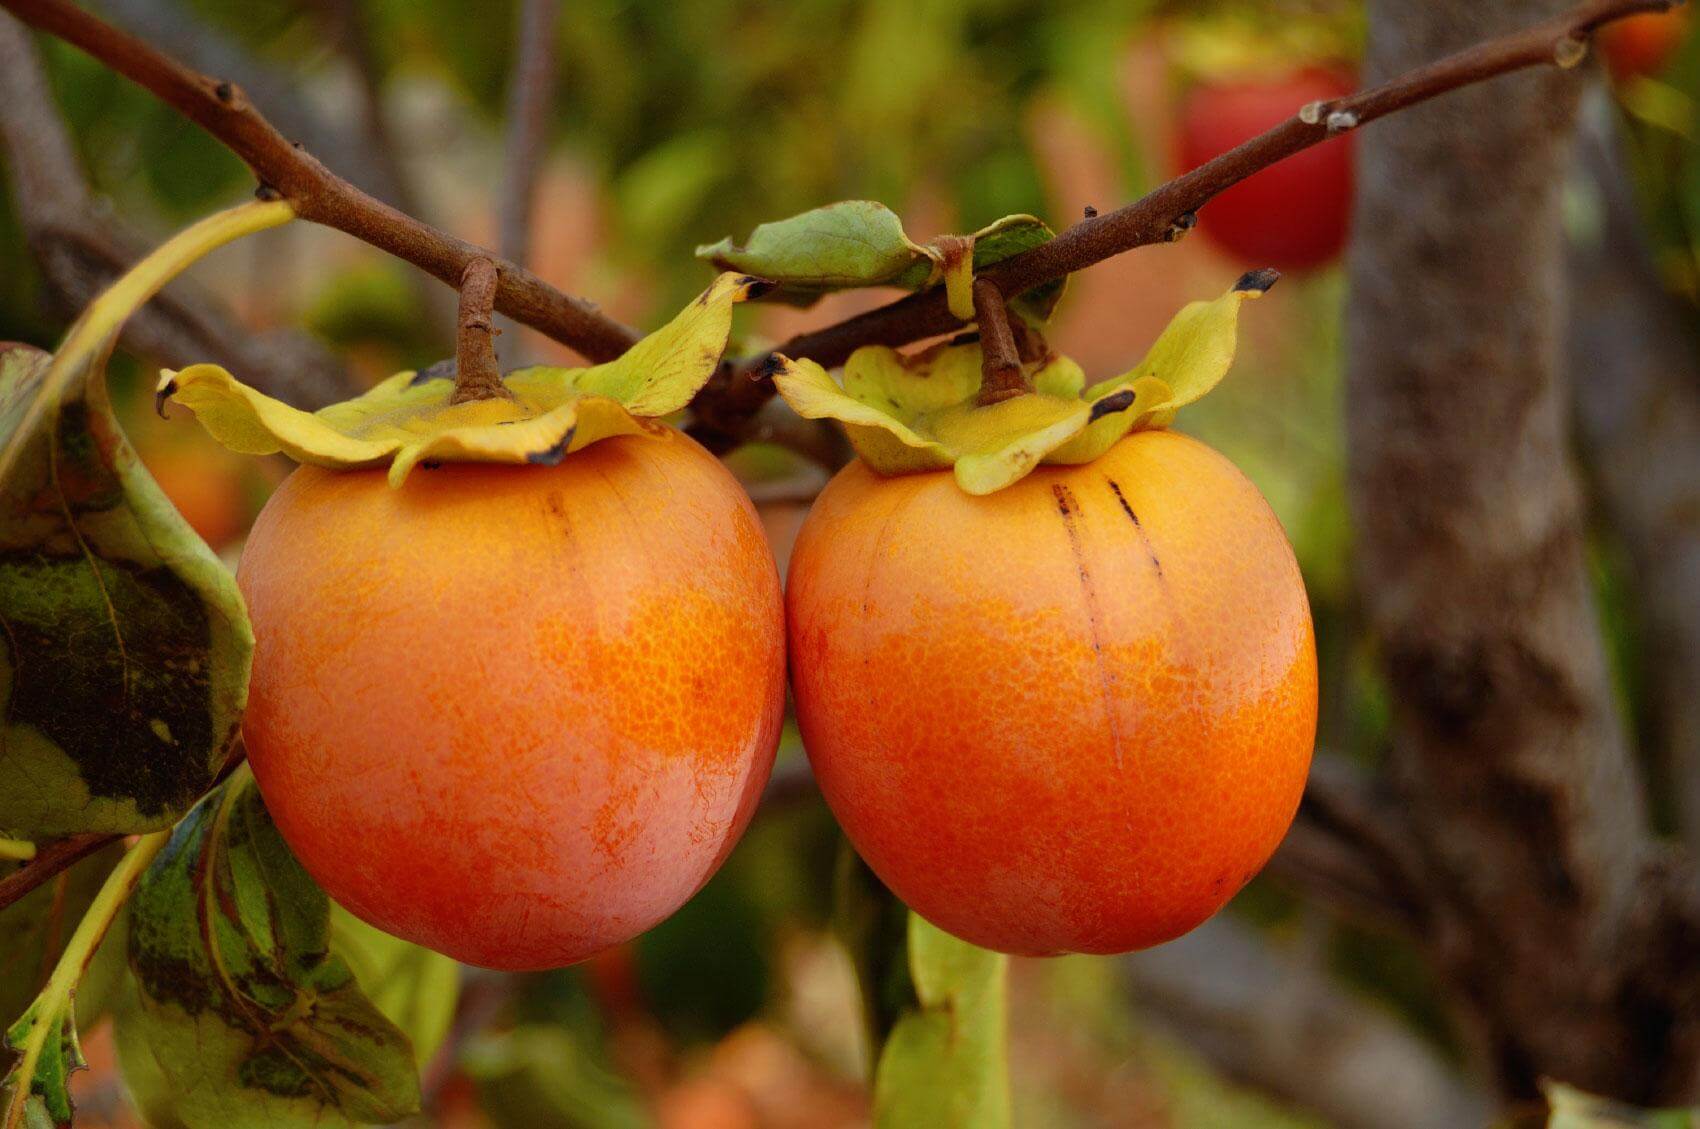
(1115,488)
(1068,506)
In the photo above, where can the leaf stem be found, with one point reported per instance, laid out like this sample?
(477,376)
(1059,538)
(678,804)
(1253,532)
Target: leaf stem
(99,324)
(477,375)
(1001,376)
(46,1016)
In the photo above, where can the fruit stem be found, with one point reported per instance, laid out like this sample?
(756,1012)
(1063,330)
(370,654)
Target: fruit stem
(477,376)
(1001,375)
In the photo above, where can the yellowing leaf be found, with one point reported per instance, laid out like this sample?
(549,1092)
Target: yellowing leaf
(408,419)
(126,669)
(906,414)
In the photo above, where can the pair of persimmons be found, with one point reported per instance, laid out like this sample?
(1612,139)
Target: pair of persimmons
(521,714)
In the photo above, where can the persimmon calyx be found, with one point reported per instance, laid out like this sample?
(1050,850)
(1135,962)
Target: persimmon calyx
(906,414)
(408,418)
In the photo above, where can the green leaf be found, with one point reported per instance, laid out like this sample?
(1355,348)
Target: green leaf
(126,661)
(414,986)
(37,1088)
(408,418)
(35,928)
(841,246)
(859,243)
(906,413)
(242,1015)
(1573,1109)
(945,1065)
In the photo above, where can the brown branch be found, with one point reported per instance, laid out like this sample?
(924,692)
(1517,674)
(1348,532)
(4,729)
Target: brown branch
(530,95)
(50,860)
(477,375)
(1270,1016)
(81,251)
(172,26)
(1635,385)
(317,193)
(531,90)
(354,42)
(1512,763)
(1153,218)
(1000,365)
(1350,851)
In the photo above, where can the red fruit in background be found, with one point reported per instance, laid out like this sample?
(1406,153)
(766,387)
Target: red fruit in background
(1642,45)
(206,489)
(1293,215)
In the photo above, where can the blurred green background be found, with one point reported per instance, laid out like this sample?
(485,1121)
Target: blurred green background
(677,124)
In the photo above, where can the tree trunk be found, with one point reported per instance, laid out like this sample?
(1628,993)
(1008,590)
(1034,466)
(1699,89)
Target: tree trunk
(1519,782)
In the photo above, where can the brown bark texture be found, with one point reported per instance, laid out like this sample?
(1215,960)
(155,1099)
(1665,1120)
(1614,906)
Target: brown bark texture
(1553,915)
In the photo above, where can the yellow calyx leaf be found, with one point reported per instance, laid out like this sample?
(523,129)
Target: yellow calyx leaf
(905,414)
(408,419)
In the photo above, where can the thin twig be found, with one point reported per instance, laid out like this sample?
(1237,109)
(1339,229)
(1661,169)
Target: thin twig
(81,251)
(317,193)
(352,32)
(1000,365)
(354,41)
(530,95)
(1152,218)
(50,859)
(172,26)
(477,375)
(531,91)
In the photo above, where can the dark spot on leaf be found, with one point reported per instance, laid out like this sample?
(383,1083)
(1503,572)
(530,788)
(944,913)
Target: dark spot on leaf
(224,92)
(755,287)
(161,395)
(771,366)
(1257,281)
(1109,405)
(1066,505)
(133,719)
(555,453)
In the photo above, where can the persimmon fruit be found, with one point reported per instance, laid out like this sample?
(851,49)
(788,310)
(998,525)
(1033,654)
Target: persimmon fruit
(1073,715)
(547,697)
(205,489)
(1641,46)
(1294,215)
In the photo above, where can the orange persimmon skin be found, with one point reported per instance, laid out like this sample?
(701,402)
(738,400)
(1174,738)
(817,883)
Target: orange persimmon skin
(1075,715)
(515,714)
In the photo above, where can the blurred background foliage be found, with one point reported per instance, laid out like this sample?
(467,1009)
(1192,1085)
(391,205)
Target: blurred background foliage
(676,124)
